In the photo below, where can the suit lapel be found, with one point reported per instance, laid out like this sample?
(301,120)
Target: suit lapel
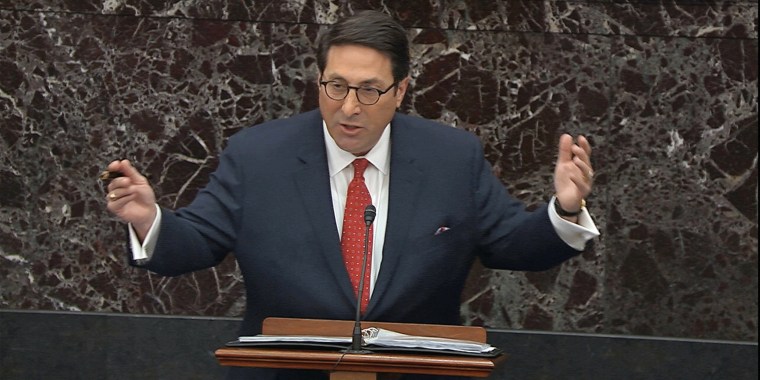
(313,183)
(403,193)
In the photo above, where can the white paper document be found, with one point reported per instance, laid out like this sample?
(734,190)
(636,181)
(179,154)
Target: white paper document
(378,337)
(386,338)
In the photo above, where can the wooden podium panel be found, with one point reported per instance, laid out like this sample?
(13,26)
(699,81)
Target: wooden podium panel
(374,363)
(344,366)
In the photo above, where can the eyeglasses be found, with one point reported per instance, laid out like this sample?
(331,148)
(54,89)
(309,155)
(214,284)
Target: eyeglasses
(368,96)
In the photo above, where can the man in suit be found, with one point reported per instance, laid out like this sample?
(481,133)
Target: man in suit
(281,194)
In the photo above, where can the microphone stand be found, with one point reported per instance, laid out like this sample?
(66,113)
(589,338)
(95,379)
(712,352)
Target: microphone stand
(356,336)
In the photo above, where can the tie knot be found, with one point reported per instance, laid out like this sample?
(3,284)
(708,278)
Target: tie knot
(360,165)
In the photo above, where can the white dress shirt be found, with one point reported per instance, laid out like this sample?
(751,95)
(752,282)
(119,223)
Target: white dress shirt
(377,180)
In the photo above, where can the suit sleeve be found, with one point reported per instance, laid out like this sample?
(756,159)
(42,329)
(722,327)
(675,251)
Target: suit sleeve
(511,237)
(200,235)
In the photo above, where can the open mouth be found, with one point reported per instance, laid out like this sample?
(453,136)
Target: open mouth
(350,128)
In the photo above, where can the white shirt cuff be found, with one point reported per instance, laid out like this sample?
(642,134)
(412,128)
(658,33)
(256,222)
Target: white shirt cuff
(574,235)
(141,252)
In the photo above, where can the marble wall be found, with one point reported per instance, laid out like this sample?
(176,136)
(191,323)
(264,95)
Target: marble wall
(666,90)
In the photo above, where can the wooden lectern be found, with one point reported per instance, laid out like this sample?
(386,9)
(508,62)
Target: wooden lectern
(371,366)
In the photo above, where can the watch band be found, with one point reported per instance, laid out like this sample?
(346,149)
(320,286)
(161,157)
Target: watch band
(563,212)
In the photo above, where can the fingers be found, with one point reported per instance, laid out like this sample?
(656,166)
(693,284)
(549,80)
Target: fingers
(565,148)
(583,143)
(125,169)
(582,157)
(122,178)
(129,171)
(574,174)
(579,152)
(121,173)
(585,168)
(117,198)
(119,193)
(130,196)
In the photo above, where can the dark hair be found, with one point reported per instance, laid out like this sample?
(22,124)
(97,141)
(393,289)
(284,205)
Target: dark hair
(374,30)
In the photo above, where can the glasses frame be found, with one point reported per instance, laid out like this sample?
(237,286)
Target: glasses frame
(356,89)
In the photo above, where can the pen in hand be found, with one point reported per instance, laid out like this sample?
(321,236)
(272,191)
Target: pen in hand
(109,175)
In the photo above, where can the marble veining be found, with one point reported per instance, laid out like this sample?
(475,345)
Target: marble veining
(666,91)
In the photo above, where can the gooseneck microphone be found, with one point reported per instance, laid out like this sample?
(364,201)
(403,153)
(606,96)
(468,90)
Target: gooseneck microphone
(356,337)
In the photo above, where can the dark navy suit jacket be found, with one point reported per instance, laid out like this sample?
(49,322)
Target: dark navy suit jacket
(269,204)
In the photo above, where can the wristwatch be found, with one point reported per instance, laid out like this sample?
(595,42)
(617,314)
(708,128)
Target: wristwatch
(563,212)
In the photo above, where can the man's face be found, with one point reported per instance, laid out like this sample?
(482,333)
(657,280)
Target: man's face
(356,127)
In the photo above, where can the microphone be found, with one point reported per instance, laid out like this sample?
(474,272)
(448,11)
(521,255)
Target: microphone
(356,337)
(369,217)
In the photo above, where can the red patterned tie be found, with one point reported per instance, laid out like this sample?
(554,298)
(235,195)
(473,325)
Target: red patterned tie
(352,241)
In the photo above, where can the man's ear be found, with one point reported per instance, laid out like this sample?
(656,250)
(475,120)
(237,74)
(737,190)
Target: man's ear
(318,76)
(401,88)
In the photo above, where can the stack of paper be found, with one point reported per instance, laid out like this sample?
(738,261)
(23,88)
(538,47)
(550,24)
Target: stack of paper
(386,338)
(377,337)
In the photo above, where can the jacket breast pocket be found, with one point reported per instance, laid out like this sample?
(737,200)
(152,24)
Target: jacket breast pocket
(441,240)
